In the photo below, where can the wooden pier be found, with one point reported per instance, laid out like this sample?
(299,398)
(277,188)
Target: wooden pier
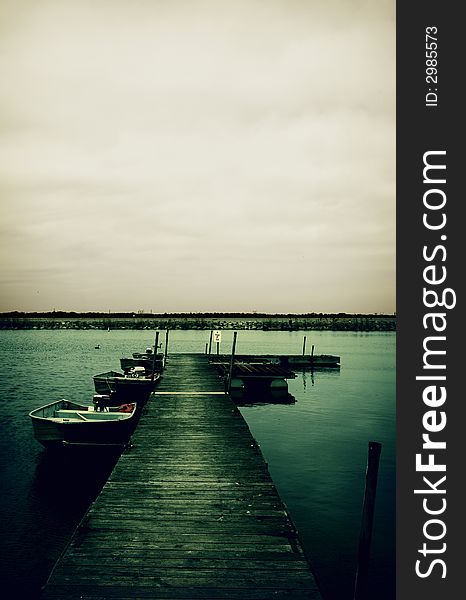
(287,361)
(190,511)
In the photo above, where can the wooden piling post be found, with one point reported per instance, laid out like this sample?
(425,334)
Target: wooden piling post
(156,345)
(360,587)
(218,348)
(304,345)
(232,360)
(210,341)
(206,347)
(166,344)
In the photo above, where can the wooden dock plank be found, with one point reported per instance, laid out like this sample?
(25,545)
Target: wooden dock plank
(119,592)
(190,510)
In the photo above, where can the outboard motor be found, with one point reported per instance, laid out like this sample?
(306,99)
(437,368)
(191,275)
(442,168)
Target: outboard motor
(101,402)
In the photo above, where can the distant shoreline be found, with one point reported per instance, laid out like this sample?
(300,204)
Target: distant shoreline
(203,321)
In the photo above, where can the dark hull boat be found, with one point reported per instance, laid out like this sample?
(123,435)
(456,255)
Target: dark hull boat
(143,360)
(153,363)
(64,423)
(133,386)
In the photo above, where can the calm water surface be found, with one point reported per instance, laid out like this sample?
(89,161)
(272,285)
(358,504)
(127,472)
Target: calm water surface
(316,448)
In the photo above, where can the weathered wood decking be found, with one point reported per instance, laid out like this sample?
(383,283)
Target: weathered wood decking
(189,512)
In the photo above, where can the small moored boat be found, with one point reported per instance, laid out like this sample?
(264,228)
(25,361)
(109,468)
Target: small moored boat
(68,423)
(150,361)
(133,386)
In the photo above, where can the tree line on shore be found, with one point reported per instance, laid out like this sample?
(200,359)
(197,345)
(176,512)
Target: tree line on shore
(258,321)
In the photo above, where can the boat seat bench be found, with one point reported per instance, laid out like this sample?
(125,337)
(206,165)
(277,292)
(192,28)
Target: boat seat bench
(87,416)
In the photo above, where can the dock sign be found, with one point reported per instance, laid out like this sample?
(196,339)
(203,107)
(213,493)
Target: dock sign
(217,336)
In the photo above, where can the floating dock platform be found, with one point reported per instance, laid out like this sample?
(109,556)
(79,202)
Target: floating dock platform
(190,510)
(288,361)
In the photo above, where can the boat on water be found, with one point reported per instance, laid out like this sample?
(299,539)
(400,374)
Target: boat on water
(136,385)
(149,353)
(153,363)
(64,422)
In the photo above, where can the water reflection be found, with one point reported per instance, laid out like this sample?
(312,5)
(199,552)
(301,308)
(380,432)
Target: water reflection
(309,375)
(64,484)
(62,472)
(249,398)
(258,394)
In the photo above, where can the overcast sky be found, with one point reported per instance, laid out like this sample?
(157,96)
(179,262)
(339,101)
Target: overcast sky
(173,155)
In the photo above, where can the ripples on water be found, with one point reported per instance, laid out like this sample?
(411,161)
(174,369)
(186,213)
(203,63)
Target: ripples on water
(316,447)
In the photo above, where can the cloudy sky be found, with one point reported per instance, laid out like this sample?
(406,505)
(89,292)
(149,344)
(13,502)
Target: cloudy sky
(172,155)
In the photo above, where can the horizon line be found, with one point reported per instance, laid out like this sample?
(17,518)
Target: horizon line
(133,314)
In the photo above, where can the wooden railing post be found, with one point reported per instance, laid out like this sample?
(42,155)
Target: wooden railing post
(365,536)
(156,345)
(210,341)
(166,344)
(232,360)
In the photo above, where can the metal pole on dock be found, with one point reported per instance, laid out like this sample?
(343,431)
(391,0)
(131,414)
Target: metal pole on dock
(210,341)
(166,344)
(360,587)
(232,360)
(156,345)
(304,345)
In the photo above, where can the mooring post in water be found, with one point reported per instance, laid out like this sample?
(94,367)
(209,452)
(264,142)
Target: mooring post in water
(166,344)
(312,352)
(206,347)
(232,360)
(373,456)
(156,345)
(210,342)
(218,348)
(304,345)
